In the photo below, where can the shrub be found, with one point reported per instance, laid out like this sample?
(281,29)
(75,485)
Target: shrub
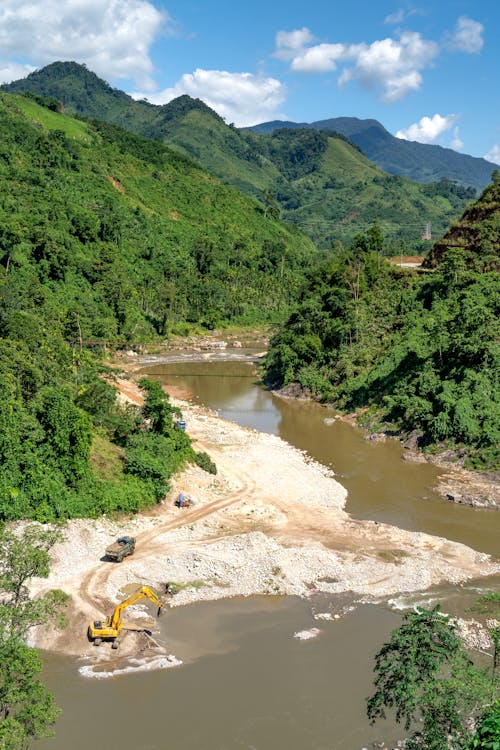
(204,461)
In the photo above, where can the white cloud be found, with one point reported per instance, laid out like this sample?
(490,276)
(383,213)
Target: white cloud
(242,98)
(390,66)
(457,143)
(467,36)
(11,71)
(393,66)
(429,129)
(402,14)
(318,59)
(289,43)
(396,17)
(493,154)
(112,37)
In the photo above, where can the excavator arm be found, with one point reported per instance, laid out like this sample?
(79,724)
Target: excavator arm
(114,621)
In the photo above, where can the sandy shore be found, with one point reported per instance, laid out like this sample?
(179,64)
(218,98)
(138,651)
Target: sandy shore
(272,521)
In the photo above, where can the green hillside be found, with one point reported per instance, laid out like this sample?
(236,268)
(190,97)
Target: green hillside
(316,180)
(106,236)
(343,193)
(475,239)
(201,134)
(414,352)
(417,161)
(130,237)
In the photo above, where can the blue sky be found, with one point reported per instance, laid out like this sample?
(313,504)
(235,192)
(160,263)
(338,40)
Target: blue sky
(427,71)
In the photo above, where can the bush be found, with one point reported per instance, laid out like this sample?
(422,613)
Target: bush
(204,461)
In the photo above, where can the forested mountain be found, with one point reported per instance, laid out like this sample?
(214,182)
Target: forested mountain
(417,161)
(314,179)
(105,235)
(418,351)
(128,236)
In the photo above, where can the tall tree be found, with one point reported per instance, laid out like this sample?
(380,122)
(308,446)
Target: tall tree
(27,709)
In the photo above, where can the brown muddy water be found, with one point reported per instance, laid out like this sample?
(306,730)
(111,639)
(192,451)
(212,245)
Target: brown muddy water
(245,681)
(381,485)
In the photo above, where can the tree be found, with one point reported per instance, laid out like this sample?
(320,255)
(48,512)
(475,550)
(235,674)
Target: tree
(487,736)
(27,709)
(424,672)
(157,407)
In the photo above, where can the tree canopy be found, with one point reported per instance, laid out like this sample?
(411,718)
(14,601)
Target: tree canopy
(424,673)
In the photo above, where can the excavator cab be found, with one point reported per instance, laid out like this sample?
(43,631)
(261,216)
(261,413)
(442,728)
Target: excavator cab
(110,628)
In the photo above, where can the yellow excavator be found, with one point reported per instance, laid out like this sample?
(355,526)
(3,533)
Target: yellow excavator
(110,628)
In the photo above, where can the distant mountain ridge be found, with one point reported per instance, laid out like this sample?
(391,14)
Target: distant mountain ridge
(314,177)
(418,161)
(83,92)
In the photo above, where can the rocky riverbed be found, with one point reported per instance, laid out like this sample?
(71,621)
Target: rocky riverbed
(272,521)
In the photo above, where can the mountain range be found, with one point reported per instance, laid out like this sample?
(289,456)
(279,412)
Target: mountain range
(324,177)
(421,162)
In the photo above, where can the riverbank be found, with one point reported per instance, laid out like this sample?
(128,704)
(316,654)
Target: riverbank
(272,521)
(477,489)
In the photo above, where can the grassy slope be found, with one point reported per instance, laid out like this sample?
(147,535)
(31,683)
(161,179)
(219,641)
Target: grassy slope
(221,151)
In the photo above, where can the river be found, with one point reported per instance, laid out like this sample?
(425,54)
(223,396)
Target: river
(246,682)
(381,486)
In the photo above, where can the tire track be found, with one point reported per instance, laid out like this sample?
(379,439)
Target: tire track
(147,545)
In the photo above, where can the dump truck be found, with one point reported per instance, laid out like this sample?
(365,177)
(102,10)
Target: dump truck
(110,628)
(124,546)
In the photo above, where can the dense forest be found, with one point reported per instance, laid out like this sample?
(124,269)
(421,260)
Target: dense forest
(126,237)
(419,351)
(313,177)
(105,235)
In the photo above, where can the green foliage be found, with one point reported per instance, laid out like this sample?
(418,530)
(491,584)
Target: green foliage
(204,461)
(50,102)
(157,407)
(488,604)
(27,710)
(22,557)
(424,672)
(473,242)
(487,735)
(105,230)
(422,351)
(151,458)
(159,449)
(319,180)
(106,235)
